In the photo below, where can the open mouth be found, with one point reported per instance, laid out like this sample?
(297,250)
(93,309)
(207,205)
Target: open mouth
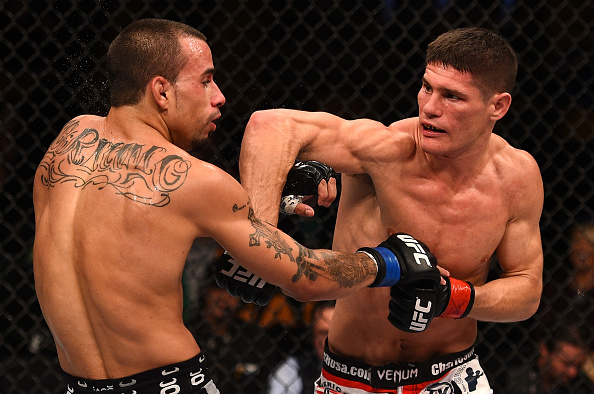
(433,129)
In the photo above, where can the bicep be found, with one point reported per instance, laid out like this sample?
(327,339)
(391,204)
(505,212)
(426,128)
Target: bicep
(345,145)
(253,243)
(520,252)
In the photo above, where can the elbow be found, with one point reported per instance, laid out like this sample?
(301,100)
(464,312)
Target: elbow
(531,310)
(531,307)
(262,119)
(303,291)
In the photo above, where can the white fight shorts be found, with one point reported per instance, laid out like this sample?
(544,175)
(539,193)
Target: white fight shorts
(458,373)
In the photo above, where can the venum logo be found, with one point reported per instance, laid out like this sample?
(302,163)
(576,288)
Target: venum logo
(240,274)
(419,322)
(420,255)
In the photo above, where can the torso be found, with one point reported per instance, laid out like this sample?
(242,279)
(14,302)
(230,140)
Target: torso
(462,226)
(99,249)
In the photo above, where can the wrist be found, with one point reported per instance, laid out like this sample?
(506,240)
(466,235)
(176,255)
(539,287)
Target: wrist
(388,267)
(461,299)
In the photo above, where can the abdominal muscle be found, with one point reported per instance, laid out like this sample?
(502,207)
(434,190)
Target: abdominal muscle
(360,330)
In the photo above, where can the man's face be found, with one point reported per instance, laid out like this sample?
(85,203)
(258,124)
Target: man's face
(582,249)
(563,364)
(453,112)
(197,97)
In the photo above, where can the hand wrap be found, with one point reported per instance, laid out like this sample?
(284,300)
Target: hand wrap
(454,299)
(303,180)
(240,282)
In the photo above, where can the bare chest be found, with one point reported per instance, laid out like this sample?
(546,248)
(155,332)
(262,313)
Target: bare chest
(462,227)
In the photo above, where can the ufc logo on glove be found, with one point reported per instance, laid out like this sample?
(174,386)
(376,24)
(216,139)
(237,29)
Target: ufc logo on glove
(420,253)
(419,320)
(240,274)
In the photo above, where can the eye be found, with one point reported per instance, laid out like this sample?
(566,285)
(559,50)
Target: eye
(426,88)
(207,80)
(451,96)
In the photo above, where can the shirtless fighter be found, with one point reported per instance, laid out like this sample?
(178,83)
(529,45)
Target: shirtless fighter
(446,179)
(119,202)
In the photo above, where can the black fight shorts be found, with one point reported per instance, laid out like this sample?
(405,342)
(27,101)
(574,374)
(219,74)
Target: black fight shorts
(186,377)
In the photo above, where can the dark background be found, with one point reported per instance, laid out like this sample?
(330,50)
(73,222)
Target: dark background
(352,58)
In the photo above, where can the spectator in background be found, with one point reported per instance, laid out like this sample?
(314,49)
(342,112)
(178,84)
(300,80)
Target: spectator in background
(576,292)
(237,365)
(297,373)
(557,369)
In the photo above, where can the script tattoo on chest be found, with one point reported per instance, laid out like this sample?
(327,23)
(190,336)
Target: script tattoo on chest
(132,170)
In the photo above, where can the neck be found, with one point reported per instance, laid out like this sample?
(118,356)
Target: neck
(131,119)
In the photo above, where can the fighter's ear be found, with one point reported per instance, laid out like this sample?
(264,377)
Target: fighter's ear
(500,105)
(161,91)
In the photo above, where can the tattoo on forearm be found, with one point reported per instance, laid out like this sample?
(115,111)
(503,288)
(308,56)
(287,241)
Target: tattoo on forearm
(305,267)
(81,157)
(311,264)
(349,269)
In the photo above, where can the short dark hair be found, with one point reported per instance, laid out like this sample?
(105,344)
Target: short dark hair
(572,332)
(144,49)
(480,52)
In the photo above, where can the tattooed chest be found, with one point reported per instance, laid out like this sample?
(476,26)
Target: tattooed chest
(143,174)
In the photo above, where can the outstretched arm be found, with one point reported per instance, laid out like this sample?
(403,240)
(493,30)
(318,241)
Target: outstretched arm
(223,211)
(274,139)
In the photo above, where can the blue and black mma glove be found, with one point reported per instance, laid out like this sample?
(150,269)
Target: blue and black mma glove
(409,267)
(240,282)
(303,180)
(401,259)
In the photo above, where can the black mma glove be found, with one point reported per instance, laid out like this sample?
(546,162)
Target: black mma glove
(454,299)
(402,259)
(412,307)
(240,282)
(303,180)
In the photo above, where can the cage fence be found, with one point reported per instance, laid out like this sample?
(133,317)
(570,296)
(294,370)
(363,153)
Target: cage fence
(351,58)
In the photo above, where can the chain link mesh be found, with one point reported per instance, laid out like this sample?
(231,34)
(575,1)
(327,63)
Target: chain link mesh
(351,58)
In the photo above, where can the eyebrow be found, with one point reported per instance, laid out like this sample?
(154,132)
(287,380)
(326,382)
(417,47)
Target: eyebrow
(446,90)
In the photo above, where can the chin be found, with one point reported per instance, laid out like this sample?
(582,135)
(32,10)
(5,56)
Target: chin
(200,147)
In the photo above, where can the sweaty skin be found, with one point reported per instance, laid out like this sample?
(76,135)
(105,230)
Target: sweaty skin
(118,205)
(442,177)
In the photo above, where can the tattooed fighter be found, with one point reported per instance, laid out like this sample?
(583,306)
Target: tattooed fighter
(119,202)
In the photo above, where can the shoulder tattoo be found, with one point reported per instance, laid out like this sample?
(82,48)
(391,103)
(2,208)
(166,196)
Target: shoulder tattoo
(132,170)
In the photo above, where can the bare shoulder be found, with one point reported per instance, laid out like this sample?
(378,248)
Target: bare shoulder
(387,144)
(520,176)
(211,189)
(513,162)
(406,126)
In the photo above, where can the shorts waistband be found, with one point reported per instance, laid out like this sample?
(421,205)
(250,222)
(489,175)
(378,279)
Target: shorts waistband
(392,375)
(139,380)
